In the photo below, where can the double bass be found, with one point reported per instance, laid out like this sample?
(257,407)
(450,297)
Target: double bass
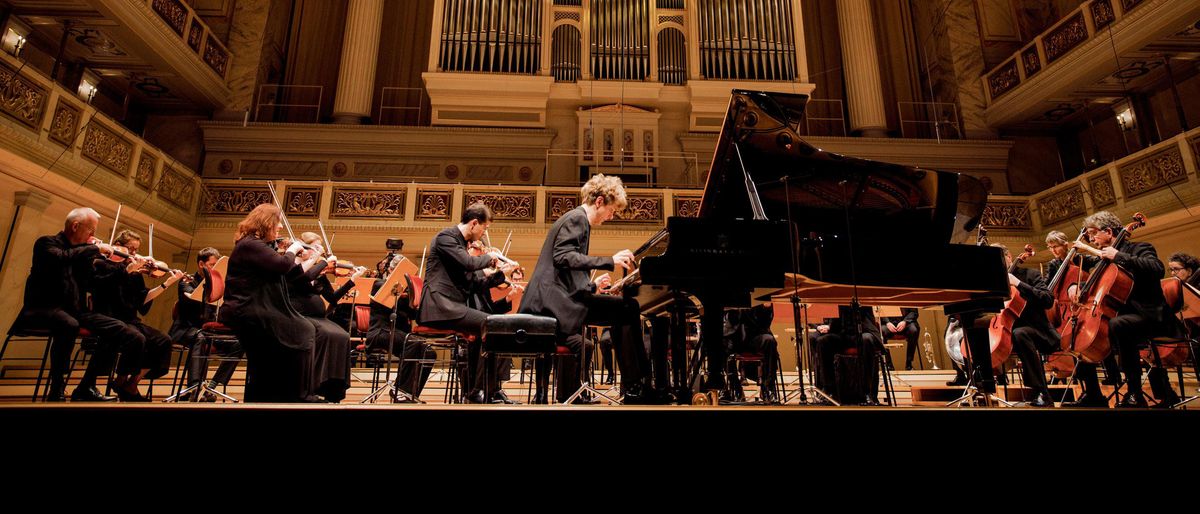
(1085,332)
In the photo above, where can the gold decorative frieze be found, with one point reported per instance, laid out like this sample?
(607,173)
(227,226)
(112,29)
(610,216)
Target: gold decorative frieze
(1031,61)
(302,201)
(65,123)
(642,208)
(1003,79)
(506,206)
(560,203)
(195,35)
(1102,191)
(687,206)
(1065,37)
(1002,215)
(1152,172)
(1062,205)
(177,187)
(215,56)
(173,12)
(1102,13)
(283,169)
(235,200)
(21,99)
(433,204)
(107,149)
(144,177)
(351,202)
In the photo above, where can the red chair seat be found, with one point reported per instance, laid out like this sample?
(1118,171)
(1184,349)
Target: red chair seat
(427,331)
(749,356)
(563,350)
(216,326)
(83,332)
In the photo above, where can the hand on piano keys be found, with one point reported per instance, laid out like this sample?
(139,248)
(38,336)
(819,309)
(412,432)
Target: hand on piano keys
(623,258)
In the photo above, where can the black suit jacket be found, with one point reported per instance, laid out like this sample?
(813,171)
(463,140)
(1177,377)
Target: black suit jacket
(561,276)
(60,274)
(843,324)
(450,277)
(1037,297)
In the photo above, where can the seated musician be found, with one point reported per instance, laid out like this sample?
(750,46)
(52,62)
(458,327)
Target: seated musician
(1139,319)
(190,317)
(1185,267)
(449,280)
(1032,335)
(501,369)
(119,291)
(850,334)
(1059,246)
(56,300)
(748,331)
(309,292)
(560,288)
(905,326)
(411,376)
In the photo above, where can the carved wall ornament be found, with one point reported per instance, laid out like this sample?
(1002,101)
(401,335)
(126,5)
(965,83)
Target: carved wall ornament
(433,204)
(1031,61)
(225,167)
(525,173)
(506,206)
(144,177)
(349,202)
(302,201)
(339,169)
(65,124)
(236,200)
(1004,79)
(173,12)
(451,172)
(1010,215)
(1152,172)
(195,35)
(177,187)
(642,208)
(21,99)
(108,149)
(1062,205)
(1102,191)
(1102,13)
(1065,37)
(559,203)
(687,206)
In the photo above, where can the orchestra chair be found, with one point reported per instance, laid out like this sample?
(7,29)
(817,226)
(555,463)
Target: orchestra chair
(19,334)
(1173,351)
(213,334)
(449,342)
(738,362)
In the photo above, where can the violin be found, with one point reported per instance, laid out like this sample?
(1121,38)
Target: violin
(512,285)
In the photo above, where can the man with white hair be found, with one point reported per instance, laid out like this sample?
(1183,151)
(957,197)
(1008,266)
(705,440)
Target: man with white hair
(55,299)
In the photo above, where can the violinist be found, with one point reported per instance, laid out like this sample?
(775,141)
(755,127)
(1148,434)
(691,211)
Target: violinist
(560,288)
(331,358)
(412,375)
(1140,318)
(1032,334)
(119,291)
(1184,267)
(190,318)
(279,341)
(450,278)
(56,299)
(482,299)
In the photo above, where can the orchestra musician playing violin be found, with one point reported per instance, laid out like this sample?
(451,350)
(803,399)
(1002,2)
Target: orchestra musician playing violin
(119,291)
(1032,335)
(278,340)
(56,300)
(190,317)
(451,278)
(560,288)
(1137,320)
(309,292)
(495,300)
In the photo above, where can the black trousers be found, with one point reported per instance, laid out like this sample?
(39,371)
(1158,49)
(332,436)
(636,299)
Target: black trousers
(475,378)
(1030,344)
(198,365)
(331,360)
(112,337)
(1126,332)
(867,348)
(275,373)
(765,345)
(156,352)
(623,317)
(911,332)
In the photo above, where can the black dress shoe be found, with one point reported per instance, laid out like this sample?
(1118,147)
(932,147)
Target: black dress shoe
(500,397)
(90,394)
(1133,400)
(1089,400)
(476,396)
(130,396)
(769,397)
(1042,400)
(57,392)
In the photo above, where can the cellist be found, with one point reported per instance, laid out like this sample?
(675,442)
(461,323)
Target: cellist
(1060,246)
(1137,320)
(1032,334)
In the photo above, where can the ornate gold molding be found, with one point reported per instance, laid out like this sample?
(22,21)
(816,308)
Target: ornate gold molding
(433,204)
(144,177)
(367,203)
(108,149)
(505,205)
(1062,205)
(1003,79)
(1065,37)
(65,123)
(176,187)
(1102,191)
(215,56)
(1007,215)
(234,200)
(687,206)
(559,203)
(173,12)
(642,208)
(21,99)
(302,201)
(1152,172)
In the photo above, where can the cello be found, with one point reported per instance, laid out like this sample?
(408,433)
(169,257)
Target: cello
(1068,273)
(1085,332)
(1000,328)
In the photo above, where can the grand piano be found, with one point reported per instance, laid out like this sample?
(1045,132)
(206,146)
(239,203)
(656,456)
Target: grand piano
(781,218)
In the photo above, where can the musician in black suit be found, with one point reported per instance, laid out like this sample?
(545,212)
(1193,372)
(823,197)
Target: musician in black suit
(748,331)
(1059,246)
(851,333)
(560,288)
(411,375)
(905,326)
(451,279)
(1032,335)
(190,317)
(1140,318)
(56,299)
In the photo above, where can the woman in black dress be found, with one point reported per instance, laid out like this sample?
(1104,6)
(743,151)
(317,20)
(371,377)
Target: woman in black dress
(278,340)
(331,356)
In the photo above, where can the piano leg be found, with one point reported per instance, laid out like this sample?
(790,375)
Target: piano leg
(660,332)
(712,332)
